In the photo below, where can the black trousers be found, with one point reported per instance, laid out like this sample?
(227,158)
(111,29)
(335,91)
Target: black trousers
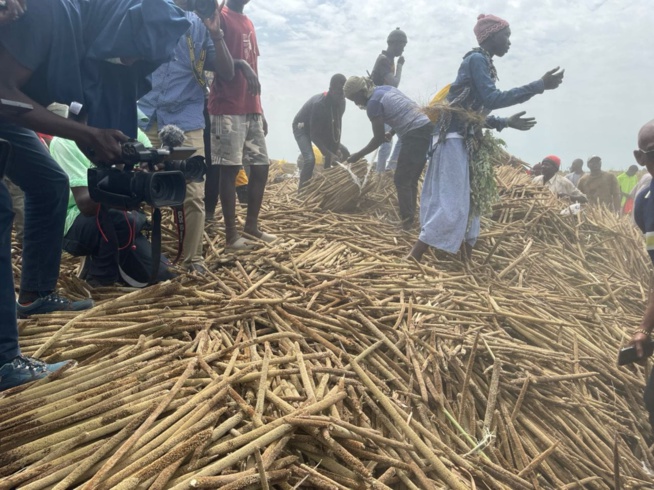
(103,243)
(410,164)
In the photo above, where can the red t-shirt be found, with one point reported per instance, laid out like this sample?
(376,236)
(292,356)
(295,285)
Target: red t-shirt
(232,98)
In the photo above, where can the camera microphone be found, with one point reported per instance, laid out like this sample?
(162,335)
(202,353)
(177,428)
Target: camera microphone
(171,136)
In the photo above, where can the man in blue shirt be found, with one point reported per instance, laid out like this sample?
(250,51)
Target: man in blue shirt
(644,217)
(96,52)
(178,92)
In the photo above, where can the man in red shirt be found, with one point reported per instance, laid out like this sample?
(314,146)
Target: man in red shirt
(239,128)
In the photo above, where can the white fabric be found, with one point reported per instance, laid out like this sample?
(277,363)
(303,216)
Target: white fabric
(560,185)
(445,200)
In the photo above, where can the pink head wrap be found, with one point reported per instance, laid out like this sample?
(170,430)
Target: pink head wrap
(488,25)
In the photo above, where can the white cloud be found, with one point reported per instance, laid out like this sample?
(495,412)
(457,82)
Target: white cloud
(605,46)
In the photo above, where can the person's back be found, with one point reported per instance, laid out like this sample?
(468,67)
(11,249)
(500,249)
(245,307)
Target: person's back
(400,112)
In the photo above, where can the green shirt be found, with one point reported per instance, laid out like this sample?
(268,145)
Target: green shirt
(627,184)
(75,164)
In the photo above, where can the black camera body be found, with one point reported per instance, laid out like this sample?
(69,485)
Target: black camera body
(203,8)
(127,189)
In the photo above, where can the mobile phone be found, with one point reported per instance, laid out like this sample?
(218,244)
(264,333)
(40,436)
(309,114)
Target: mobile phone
(628,355)
(14,107)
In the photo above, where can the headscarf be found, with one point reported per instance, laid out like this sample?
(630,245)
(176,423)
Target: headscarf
(554,159)
(354,85)
(487,25)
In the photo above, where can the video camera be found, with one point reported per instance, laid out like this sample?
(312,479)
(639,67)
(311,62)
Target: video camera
(161,181)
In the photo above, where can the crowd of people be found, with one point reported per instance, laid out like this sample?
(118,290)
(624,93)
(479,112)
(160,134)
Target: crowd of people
(121,86)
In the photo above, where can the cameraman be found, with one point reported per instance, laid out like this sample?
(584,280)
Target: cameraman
(94,51)
(179,88)
(110,240)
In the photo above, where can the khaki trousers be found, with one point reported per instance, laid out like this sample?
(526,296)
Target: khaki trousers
(194,202)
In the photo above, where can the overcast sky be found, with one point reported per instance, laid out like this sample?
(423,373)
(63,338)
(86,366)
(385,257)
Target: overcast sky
(605,46)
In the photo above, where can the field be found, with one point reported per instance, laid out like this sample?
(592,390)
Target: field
(328,360)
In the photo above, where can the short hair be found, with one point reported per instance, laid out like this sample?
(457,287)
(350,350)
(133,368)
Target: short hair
(337,80)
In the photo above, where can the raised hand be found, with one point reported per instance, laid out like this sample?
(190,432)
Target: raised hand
(516,121)
(553,78)
(213,23)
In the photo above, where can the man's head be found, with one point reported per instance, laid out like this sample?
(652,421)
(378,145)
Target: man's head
(396,42)
(595,164)
(633,170)
(359,90)
(493,34)
(237,5)
(550,166)
(577,166)
(336,87)
(645,153)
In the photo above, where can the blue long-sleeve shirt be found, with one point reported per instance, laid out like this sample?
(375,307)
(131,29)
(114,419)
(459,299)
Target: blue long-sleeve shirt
(484,96)
(177,97)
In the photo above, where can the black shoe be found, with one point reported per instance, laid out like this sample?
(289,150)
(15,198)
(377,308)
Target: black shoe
(52,302)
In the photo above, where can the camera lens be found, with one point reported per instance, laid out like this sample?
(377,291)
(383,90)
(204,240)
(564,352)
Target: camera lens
(166,189)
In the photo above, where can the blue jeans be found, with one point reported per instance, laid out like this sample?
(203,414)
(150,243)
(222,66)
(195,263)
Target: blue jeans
(385,152)
(46,199)
(8,326)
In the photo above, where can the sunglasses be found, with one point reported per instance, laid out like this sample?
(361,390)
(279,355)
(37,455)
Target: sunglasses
(646,152)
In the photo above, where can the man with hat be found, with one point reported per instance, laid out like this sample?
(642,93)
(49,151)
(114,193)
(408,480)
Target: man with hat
(386,72)
(601,187)
(555,182)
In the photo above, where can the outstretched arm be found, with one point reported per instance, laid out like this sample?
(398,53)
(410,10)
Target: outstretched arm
(493,98)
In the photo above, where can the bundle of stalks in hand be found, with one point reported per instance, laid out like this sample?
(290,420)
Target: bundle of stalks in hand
(340,188)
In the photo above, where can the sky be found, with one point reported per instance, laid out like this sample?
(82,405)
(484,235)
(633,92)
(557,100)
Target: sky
(605,46)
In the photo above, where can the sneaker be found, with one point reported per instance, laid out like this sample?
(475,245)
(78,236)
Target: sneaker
(24,369)
(52,302)
(209,218)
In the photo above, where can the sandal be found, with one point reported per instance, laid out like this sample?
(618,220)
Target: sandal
(240,245)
